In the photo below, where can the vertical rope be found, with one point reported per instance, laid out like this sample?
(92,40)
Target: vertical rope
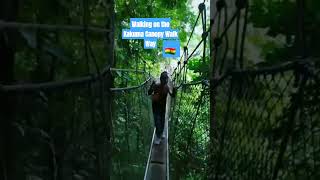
(214,44)
(301,39)
(226,39)
(244,32)
(176,122)
(236,42)
(202,8)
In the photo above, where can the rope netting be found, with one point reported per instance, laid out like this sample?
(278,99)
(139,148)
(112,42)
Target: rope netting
(189,133)
(132,127)
(265,127)
(264,120)
(63,117)
(59,126)
(61,132)
(189,127)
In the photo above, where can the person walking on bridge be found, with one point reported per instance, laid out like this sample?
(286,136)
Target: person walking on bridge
(159,92)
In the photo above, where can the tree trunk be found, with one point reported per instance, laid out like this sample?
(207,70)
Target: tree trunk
(213,93)
(110,16)
(9,169)
(301,39)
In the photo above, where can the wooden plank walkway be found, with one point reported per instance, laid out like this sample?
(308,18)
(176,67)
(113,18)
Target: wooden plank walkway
(158,162)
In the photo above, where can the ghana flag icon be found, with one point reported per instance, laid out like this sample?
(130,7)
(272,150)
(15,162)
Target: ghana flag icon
(170,51)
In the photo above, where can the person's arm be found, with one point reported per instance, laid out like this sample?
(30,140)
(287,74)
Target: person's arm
(150,91)
(172,91)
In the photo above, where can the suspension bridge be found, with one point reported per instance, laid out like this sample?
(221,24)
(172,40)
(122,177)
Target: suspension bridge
(262,123)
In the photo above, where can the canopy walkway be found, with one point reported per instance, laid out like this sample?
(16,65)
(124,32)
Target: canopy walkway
(263,120)
(158,160)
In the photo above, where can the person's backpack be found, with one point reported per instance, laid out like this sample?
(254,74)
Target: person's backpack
(157,95)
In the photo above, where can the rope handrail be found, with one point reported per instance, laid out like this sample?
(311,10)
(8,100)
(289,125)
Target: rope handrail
(130,88)
(50,27)
(194,50)
(174,71)
(194,26)
(127,70)
(187,57)
(204,36)
(54,85)
(266,70)
(149,156)
(203,82)
(272,69)
(61,84)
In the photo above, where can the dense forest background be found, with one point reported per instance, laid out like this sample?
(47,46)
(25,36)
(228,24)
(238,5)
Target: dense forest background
(65,134)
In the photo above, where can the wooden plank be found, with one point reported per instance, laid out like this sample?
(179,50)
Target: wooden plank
(158,159)
(157,172)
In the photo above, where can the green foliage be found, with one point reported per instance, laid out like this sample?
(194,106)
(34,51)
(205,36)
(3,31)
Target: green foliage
(276,15)
(67,127)
(61,134)
(188,143)
(132,131)
(280,17)
(132,52)
(199,68)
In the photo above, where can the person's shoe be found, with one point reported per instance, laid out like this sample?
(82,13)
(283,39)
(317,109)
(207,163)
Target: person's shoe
(163,136)
(157,140)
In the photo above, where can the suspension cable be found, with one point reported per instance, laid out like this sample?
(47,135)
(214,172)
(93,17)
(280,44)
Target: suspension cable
(244,32)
